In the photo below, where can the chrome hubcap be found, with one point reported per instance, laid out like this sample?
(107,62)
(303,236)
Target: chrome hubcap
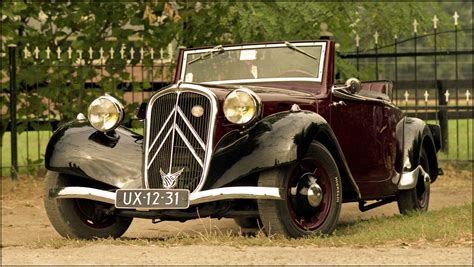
(309,189)
(315,195)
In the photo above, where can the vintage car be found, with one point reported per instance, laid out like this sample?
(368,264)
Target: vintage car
(256,132)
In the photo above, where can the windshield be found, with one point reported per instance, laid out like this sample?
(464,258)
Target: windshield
(255,63)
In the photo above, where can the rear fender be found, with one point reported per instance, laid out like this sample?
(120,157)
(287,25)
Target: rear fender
(277,140)
(415,135)
(80,150)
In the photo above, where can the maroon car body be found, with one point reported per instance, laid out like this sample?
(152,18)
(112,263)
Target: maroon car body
(282,147)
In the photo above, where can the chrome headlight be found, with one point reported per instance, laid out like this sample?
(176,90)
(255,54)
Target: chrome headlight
(241,106)
(105,113)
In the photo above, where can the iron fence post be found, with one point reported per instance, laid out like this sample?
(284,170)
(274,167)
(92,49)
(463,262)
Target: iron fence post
(443,116)
(376,38)
(436,65)
(395,89)
(457,87)
(13,131)
(416,76)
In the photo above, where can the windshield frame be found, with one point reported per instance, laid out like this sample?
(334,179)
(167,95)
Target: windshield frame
(257,46)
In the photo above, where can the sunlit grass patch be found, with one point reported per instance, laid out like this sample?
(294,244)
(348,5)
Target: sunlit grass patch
(446,227)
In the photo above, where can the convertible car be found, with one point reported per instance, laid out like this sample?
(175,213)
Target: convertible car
(256,132)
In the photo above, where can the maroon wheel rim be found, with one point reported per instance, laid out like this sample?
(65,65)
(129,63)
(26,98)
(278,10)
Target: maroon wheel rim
(302,214)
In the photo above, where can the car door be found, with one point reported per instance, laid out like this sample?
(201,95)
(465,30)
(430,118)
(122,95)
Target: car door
(366,131)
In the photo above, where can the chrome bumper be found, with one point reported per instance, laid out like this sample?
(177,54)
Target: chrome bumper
(237,192)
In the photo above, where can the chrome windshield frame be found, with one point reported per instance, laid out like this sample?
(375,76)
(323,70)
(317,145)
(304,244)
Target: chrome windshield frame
(262,80)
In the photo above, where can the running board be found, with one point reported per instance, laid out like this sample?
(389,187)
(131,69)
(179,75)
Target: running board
(363,207)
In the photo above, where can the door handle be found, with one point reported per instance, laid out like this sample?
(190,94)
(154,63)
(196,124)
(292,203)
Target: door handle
(340,103)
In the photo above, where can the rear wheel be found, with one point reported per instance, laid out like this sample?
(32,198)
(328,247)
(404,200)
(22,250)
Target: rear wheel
(312,197)
(81,218)
(418,198)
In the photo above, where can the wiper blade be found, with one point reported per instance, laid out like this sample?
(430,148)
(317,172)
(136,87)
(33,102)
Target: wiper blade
(293,47)
(215,50)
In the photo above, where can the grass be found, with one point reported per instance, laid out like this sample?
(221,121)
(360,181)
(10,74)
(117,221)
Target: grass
(460,142)
(31,150)
(446,227)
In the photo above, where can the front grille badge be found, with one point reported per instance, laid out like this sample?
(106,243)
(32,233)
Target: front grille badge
(170,179)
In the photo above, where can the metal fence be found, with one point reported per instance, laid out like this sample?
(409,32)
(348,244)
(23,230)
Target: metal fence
(432,78)
(45,87)
(431,72)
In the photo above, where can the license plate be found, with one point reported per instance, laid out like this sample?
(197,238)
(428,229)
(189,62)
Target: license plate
(152,198)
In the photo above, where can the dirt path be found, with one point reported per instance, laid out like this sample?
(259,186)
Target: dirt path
(24,221)
(197,255)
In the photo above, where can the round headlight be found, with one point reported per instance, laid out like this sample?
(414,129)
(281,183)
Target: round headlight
(105,113)
(241,106)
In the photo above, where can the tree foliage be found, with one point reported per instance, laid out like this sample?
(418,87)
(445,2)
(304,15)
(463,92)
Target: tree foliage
(156,23)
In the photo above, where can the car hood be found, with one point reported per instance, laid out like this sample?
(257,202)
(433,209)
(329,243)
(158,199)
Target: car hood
(274,98)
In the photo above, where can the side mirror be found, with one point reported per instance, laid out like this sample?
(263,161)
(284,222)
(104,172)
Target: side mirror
(353,85)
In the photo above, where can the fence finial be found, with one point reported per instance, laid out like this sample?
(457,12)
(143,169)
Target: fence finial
(468,99)
(91,52)
(58,52)
(376,37)
(142,52)
(456,17)
(171,53)
(101,53)
(131,52)
(406,95)
(446,95)
(162,52)
(435,22)
(111,51)
(26,52)
(415,24)
(324,34)
(152,53)
(79,52)
(122,51)
(357,40)
(48,52)
(426,95)
(36,51)
(69,53)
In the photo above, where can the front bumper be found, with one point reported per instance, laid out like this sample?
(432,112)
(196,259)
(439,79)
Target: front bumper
(225,193)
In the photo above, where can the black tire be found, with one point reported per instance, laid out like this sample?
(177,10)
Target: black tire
(80,218)
(295,217)
(246,222)
(416,199)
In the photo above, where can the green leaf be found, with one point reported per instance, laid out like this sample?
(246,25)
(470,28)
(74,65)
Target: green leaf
(18,7)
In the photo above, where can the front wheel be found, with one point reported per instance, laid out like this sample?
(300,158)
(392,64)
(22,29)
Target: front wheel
(312,196)
(80,218)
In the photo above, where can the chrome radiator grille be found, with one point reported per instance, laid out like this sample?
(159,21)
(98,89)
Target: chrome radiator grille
(177,141)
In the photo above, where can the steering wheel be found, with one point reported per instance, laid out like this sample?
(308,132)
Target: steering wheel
(287,72)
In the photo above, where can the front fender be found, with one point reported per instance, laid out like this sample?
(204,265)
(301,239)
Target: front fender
(80,150)
(277,140)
